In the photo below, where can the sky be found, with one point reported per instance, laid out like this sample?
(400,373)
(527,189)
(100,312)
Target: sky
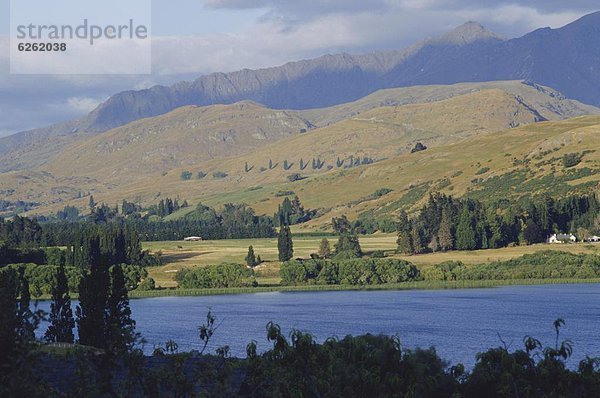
(195,37)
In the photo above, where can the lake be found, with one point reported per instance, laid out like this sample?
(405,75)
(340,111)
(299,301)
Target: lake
(459,323)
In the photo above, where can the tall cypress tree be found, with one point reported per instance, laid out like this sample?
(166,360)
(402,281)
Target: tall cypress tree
(9,320)
(445,233)
(26,330)
(120,327)
(251,257)
(90,313)
(61,314)
(285,244)
(417,239)
(405,243)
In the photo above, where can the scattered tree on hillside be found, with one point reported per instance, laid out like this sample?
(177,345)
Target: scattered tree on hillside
(571,159)
(295,177)
(186,175)
(317,164)
(219,175)
(200,175)
(287,165)
(92,203)
(418,148)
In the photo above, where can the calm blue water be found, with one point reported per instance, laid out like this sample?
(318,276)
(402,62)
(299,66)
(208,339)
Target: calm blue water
(459,323)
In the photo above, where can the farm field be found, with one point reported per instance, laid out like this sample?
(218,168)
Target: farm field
(177,255)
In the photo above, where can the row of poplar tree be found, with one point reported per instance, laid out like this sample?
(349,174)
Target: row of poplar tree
(103,317)
(111,244)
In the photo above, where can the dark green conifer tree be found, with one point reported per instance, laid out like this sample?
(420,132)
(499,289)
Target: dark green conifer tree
(251,258)
(466,237)
(9,320)
(26,330)
(285,245)
(405,244)
(90,313)
(446,232)
(61,314)
(120,327)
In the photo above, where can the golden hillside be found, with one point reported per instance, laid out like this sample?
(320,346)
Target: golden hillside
(465,133)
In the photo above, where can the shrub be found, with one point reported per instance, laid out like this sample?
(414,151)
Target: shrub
(219,174)
(186,175)
(147,284)
(418,148)
(378,254)
(571,159)
(216,276)
(295,177)
(284,193)
(381,192)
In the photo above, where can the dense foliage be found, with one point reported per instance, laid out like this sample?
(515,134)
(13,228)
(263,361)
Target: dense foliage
(348,245)
(216,276)
(291,212)
(446,223)
(234,221)
(378,366)
(364,271)
(540,265)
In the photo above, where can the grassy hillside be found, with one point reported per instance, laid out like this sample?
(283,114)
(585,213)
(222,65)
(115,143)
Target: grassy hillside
(513,163)
(550,104)
(470,129)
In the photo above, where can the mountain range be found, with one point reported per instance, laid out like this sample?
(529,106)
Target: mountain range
(335,130)
(565,59)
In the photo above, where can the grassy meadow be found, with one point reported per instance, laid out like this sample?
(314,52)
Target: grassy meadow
(177,255)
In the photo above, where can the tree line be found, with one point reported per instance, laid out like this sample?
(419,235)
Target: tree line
(102,317)
(446,223)
(546,264)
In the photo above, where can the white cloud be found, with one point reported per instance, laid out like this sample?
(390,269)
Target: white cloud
(83,104)
(523,19)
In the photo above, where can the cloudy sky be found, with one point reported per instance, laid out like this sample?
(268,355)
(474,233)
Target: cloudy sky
(195,37)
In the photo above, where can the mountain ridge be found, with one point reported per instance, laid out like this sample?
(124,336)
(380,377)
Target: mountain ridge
(467,54)
(228,148)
